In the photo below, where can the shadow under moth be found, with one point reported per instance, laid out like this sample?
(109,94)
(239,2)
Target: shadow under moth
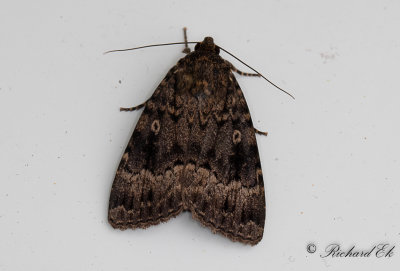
(193,149)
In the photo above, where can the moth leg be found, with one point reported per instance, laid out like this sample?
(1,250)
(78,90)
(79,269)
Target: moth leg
(133,108)
(187,49)
(233,68)
(260,132)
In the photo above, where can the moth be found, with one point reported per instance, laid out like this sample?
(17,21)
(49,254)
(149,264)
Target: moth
(193,149)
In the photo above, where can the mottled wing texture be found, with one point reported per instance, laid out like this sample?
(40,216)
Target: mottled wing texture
(194,149)
(146,189)
(226,191)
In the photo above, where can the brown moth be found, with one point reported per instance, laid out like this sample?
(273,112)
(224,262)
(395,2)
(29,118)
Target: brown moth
(193,149)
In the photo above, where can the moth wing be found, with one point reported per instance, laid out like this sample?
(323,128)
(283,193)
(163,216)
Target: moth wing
(227,192)
(145,190)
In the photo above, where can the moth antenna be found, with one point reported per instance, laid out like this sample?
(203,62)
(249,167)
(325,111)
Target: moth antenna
(256,72)
(152,45)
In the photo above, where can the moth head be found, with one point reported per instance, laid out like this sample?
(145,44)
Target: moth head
(207,45)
